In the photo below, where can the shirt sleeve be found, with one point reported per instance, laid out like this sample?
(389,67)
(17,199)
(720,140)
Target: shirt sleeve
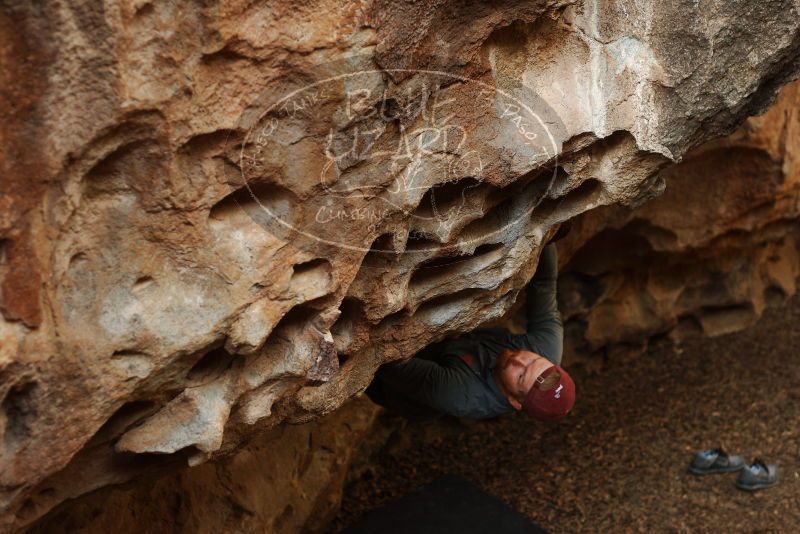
(438,385)
(545,331)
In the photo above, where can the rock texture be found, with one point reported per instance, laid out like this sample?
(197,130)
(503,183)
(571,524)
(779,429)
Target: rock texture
(707,256)
(280,482)
(290,479)
(216,218)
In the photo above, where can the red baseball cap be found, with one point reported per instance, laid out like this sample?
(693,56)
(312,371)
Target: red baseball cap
(553,404)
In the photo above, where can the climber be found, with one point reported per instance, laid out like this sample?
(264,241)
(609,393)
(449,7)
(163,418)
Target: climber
(488,372)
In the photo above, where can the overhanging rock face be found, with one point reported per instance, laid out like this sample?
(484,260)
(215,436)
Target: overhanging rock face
(219,218)
(707,256)
(626,275)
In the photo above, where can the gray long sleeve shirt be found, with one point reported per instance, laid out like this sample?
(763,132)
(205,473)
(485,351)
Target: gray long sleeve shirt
(455,376)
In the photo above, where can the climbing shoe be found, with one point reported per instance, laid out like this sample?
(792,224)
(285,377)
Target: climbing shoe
(715,461)
(757,475)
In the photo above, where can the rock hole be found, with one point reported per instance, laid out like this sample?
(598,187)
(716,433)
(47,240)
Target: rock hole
(223,56)
(227,207)
(126,416)
(77,260)
(445,261)
(443,201)
(133,165)
(584,193)
(445,274)
(344,329)
(19,407)
(142,283)
(395,318)
(264,203)
(442,309)
(560,181)
(312,265)
(126,353)
(144,10)
(210,366)
(496,221)
(384,251)
(297,316)
(576,201)
(205,143)
(390,109)
(384,243)
(419,242)
(447,300)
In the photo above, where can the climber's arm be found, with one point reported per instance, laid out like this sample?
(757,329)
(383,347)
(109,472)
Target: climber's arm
(440,386)
(545,330)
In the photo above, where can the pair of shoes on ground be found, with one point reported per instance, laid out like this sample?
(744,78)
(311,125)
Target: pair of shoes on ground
(758,475)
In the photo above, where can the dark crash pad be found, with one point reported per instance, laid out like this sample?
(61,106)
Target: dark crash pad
(447,505)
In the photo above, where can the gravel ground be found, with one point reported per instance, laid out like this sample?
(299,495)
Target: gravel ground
(618,462)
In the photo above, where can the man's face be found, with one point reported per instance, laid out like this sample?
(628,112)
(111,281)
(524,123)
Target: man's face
(516,370)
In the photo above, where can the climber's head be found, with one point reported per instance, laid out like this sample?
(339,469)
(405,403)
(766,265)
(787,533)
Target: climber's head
(534,384)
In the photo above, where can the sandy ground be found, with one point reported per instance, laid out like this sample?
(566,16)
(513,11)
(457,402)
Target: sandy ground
(618,462)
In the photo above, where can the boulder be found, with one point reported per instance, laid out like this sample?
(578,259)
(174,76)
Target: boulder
(220,218)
